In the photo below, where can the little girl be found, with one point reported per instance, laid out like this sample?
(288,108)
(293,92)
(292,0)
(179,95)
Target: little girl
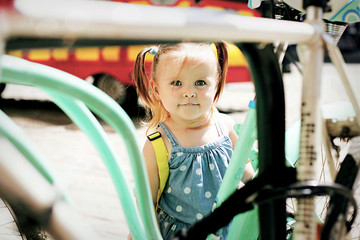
(185,83)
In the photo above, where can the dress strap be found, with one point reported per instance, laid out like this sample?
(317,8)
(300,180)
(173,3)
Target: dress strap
(170,136)
(219,126)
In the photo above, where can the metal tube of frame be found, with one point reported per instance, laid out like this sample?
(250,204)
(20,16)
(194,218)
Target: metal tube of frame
(312,58)
(31,194)
(72,20)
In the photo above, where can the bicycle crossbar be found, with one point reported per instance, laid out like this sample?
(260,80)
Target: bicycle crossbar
(109,20)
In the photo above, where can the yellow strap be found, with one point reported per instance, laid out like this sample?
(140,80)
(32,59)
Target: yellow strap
(161,154)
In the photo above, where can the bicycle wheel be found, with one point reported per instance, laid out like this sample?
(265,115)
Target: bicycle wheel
(9,228)
(15,226)
(345,140)
(342,136)
(338,221)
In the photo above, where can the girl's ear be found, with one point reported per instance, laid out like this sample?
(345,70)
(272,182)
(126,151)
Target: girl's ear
(154,88)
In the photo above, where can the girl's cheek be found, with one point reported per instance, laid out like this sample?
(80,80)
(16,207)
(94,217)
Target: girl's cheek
(208,93)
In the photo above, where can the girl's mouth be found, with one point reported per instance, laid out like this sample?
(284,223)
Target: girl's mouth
(188,104)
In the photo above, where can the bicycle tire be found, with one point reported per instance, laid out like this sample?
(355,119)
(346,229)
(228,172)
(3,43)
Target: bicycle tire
(271,129)
(18,226)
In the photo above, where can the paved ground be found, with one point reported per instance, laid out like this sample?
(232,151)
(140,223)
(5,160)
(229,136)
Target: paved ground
(79,165)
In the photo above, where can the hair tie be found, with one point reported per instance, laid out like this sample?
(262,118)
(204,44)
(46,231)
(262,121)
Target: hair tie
(153,50)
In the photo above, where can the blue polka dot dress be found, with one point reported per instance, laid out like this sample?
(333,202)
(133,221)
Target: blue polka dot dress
(194,180)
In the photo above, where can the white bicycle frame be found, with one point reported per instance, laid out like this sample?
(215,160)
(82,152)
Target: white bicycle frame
(74,20)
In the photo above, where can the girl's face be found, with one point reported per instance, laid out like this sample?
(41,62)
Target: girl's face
(186,83)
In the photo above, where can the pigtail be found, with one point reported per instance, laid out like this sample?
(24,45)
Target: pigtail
(155,112)
(222,55)
(140,78)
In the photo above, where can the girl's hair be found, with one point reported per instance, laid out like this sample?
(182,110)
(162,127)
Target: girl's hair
(156,113)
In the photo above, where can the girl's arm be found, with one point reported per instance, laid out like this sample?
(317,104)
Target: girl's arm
(249,172)
(152,169)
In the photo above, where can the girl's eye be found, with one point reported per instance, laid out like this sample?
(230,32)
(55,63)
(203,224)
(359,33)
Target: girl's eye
(176,83)
(200,83)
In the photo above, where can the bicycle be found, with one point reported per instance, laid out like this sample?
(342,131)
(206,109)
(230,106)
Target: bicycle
(267,128)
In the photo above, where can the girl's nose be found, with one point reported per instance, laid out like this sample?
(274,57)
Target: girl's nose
(189,95)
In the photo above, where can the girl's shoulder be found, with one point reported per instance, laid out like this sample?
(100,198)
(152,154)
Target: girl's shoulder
(227,121)
(229,124)
(163,135)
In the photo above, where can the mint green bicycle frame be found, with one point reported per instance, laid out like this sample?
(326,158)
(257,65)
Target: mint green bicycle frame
(62,88)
